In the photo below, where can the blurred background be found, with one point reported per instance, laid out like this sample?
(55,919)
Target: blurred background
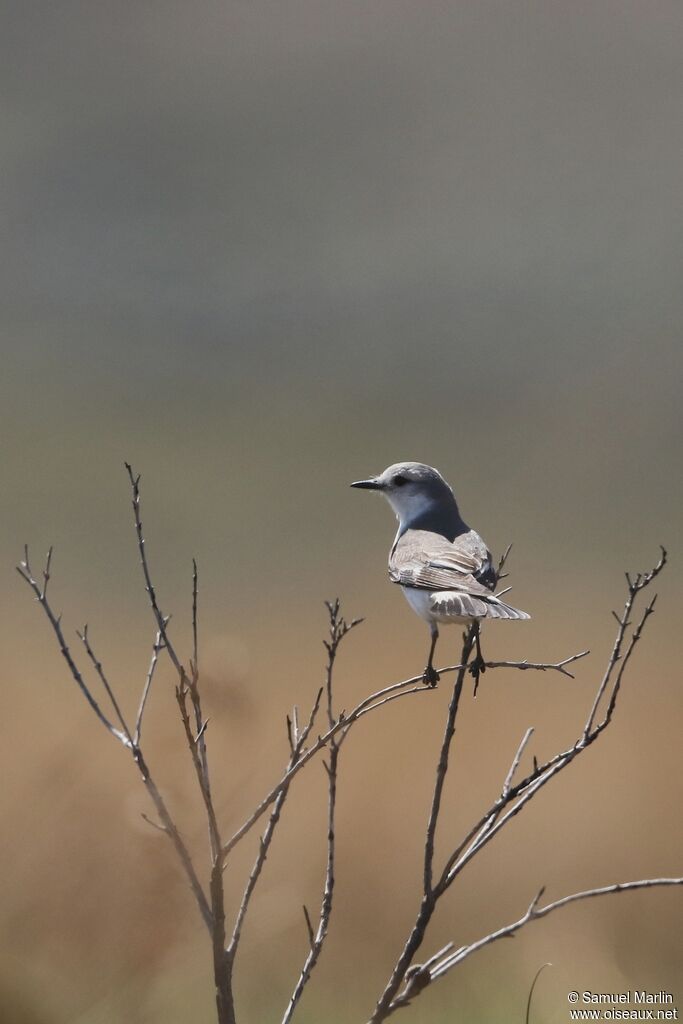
(261,250)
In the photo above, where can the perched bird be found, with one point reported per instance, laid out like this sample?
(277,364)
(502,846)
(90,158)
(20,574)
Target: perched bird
(442,566)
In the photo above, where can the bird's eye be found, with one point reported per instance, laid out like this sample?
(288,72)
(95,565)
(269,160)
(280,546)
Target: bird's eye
(399,481)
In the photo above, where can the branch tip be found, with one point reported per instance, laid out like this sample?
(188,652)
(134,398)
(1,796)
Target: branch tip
(309,927)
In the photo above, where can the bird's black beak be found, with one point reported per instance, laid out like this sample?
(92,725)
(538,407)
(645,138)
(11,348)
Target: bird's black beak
(368,485)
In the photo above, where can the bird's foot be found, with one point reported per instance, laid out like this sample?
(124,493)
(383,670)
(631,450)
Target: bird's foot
(431,676)
(477,667)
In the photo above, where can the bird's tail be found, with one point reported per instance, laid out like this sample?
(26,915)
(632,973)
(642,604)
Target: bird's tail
(459,605)
(497,609)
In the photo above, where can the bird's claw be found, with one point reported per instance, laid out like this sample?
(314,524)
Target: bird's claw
(477,666)
(431,676)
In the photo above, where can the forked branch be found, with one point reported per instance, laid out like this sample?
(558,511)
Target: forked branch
(338,629)
(166,823)
(408,979)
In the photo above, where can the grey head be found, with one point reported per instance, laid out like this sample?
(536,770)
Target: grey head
(420,498)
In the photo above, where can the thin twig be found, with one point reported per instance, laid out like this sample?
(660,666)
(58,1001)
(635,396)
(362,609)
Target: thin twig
(368,704)
(517,758)
(512,799)
(161,620)
(194,743)
(634,589)
(167,823)
(83,637)
(24,570)
(439,965)
(492,823)
(339,628)
(154,824)
(187,683)
(148,683)
(195,593)
(195,697)
(309,926)
(558,666)
(501,564)
(297,739)
(537,975)
(429,896)
(535,913)
(442,767)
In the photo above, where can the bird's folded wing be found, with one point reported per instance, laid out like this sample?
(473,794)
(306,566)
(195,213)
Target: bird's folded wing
(431,562)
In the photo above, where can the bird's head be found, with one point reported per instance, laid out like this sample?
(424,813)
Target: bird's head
(412,489)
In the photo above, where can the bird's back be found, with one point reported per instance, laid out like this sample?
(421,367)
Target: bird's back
(431,561)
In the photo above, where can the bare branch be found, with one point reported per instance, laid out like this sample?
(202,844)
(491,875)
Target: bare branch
(83,637)
(623,662)
(387,700)
(46,570)
(511,801)
(195,591)
(161,619)
(148,683)
(429,895)
(168,825)
(537,975)
(444,961)
(326,904)
(535,913)
(24,570)
(187,684)
(368,704)
(442,767)
(309,927)
(538,666)
(194,743)
(154,824)
(297,740)
(515,763)
(407,978)
(371,703)
(194,686)
(339,628)
(501,564)
(633,591)
(492,823)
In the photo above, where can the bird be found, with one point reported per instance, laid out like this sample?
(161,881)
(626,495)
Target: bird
(443,567)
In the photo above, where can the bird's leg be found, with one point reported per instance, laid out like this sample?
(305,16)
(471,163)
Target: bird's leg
(478,665)
(430,675)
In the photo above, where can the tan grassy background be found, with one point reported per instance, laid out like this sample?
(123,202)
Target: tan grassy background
(261,250)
